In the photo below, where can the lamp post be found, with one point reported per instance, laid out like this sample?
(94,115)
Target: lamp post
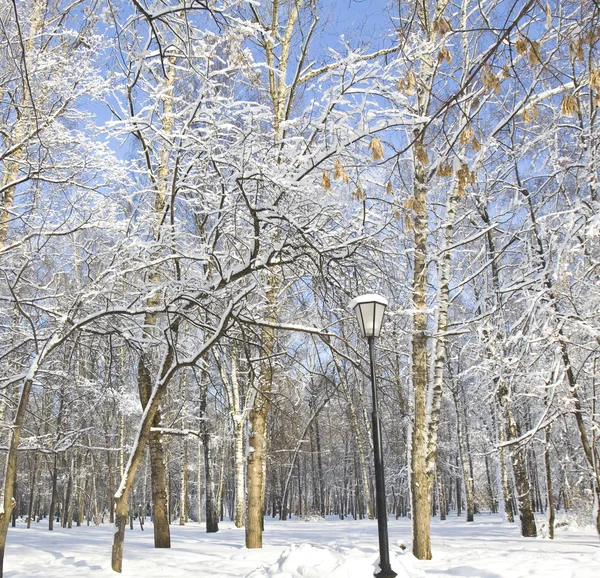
(369,311)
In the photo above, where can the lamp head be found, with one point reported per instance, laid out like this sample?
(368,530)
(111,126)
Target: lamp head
(369,311)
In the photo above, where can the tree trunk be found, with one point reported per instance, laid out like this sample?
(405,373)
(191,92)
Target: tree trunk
(158,474)
(441,493)
(184,483)
(238,416)
(463,451)
(254,520)
(549,493)
(54,495)
(528,528)
(257,463)
(322,507)
(34,483)
(199,481)
(418,474)
(212,513)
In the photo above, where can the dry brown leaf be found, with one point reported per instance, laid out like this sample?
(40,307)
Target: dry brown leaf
(338,169)
(388,188)
(535,53)
(441,26)
(444,170)
(408,83)
(489,80)
(592,35)
(569,105)
(530,113)
(521,44)
(464,177)
(411,83)
(576,50)
(408,223)
(444,54)
(595,78)
(359,194)
(421,154)
(376,148)
(325,181)
(475,144)
(466,135)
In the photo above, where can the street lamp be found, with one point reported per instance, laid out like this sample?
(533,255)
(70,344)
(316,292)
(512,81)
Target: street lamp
(369,311)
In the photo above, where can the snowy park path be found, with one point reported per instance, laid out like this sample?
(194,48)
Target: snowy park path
(487,548)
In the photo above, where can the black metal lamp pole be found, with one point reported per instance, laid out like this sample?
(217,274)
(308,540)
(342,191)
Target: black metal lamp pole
(384,546)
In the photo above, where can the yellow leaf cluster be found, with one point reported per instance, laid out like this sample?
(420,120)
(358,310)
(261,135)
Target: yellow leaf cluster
(408,84)
(576,50)
(530,113)
(444,170)
(444,54)
(441,26)
(338,169)
(339,172)
(464,177)
(521,44)
(569,105)
(592,35)
(325,181)
(410,203)
(466,135)
(535,53)
(421,154)
(359,194)
(490,80)
(376,148)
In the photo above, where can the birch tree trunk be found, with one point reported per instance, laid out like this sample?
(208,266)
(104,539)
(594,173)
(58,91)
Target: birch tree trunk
(440,353)
(464,453)
(239,416)
(528,528)
(183,495)
(549,491)
(418,474)
(158,474)
(212,513)
(419,479)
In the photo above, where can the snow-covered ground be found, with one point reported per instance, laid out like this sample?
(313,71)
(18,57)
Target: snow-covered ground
(487,548)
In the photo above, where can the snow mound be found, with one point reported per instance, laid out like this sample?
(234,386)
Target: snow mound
(307,561)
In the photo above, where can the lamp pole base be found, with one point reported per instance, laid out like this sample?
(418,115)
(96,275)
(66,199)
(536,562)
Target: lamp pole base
(386,573)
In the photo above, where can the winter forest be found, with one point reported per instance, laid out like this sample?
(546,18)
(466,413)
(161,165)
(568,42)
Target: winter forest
(192,192)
